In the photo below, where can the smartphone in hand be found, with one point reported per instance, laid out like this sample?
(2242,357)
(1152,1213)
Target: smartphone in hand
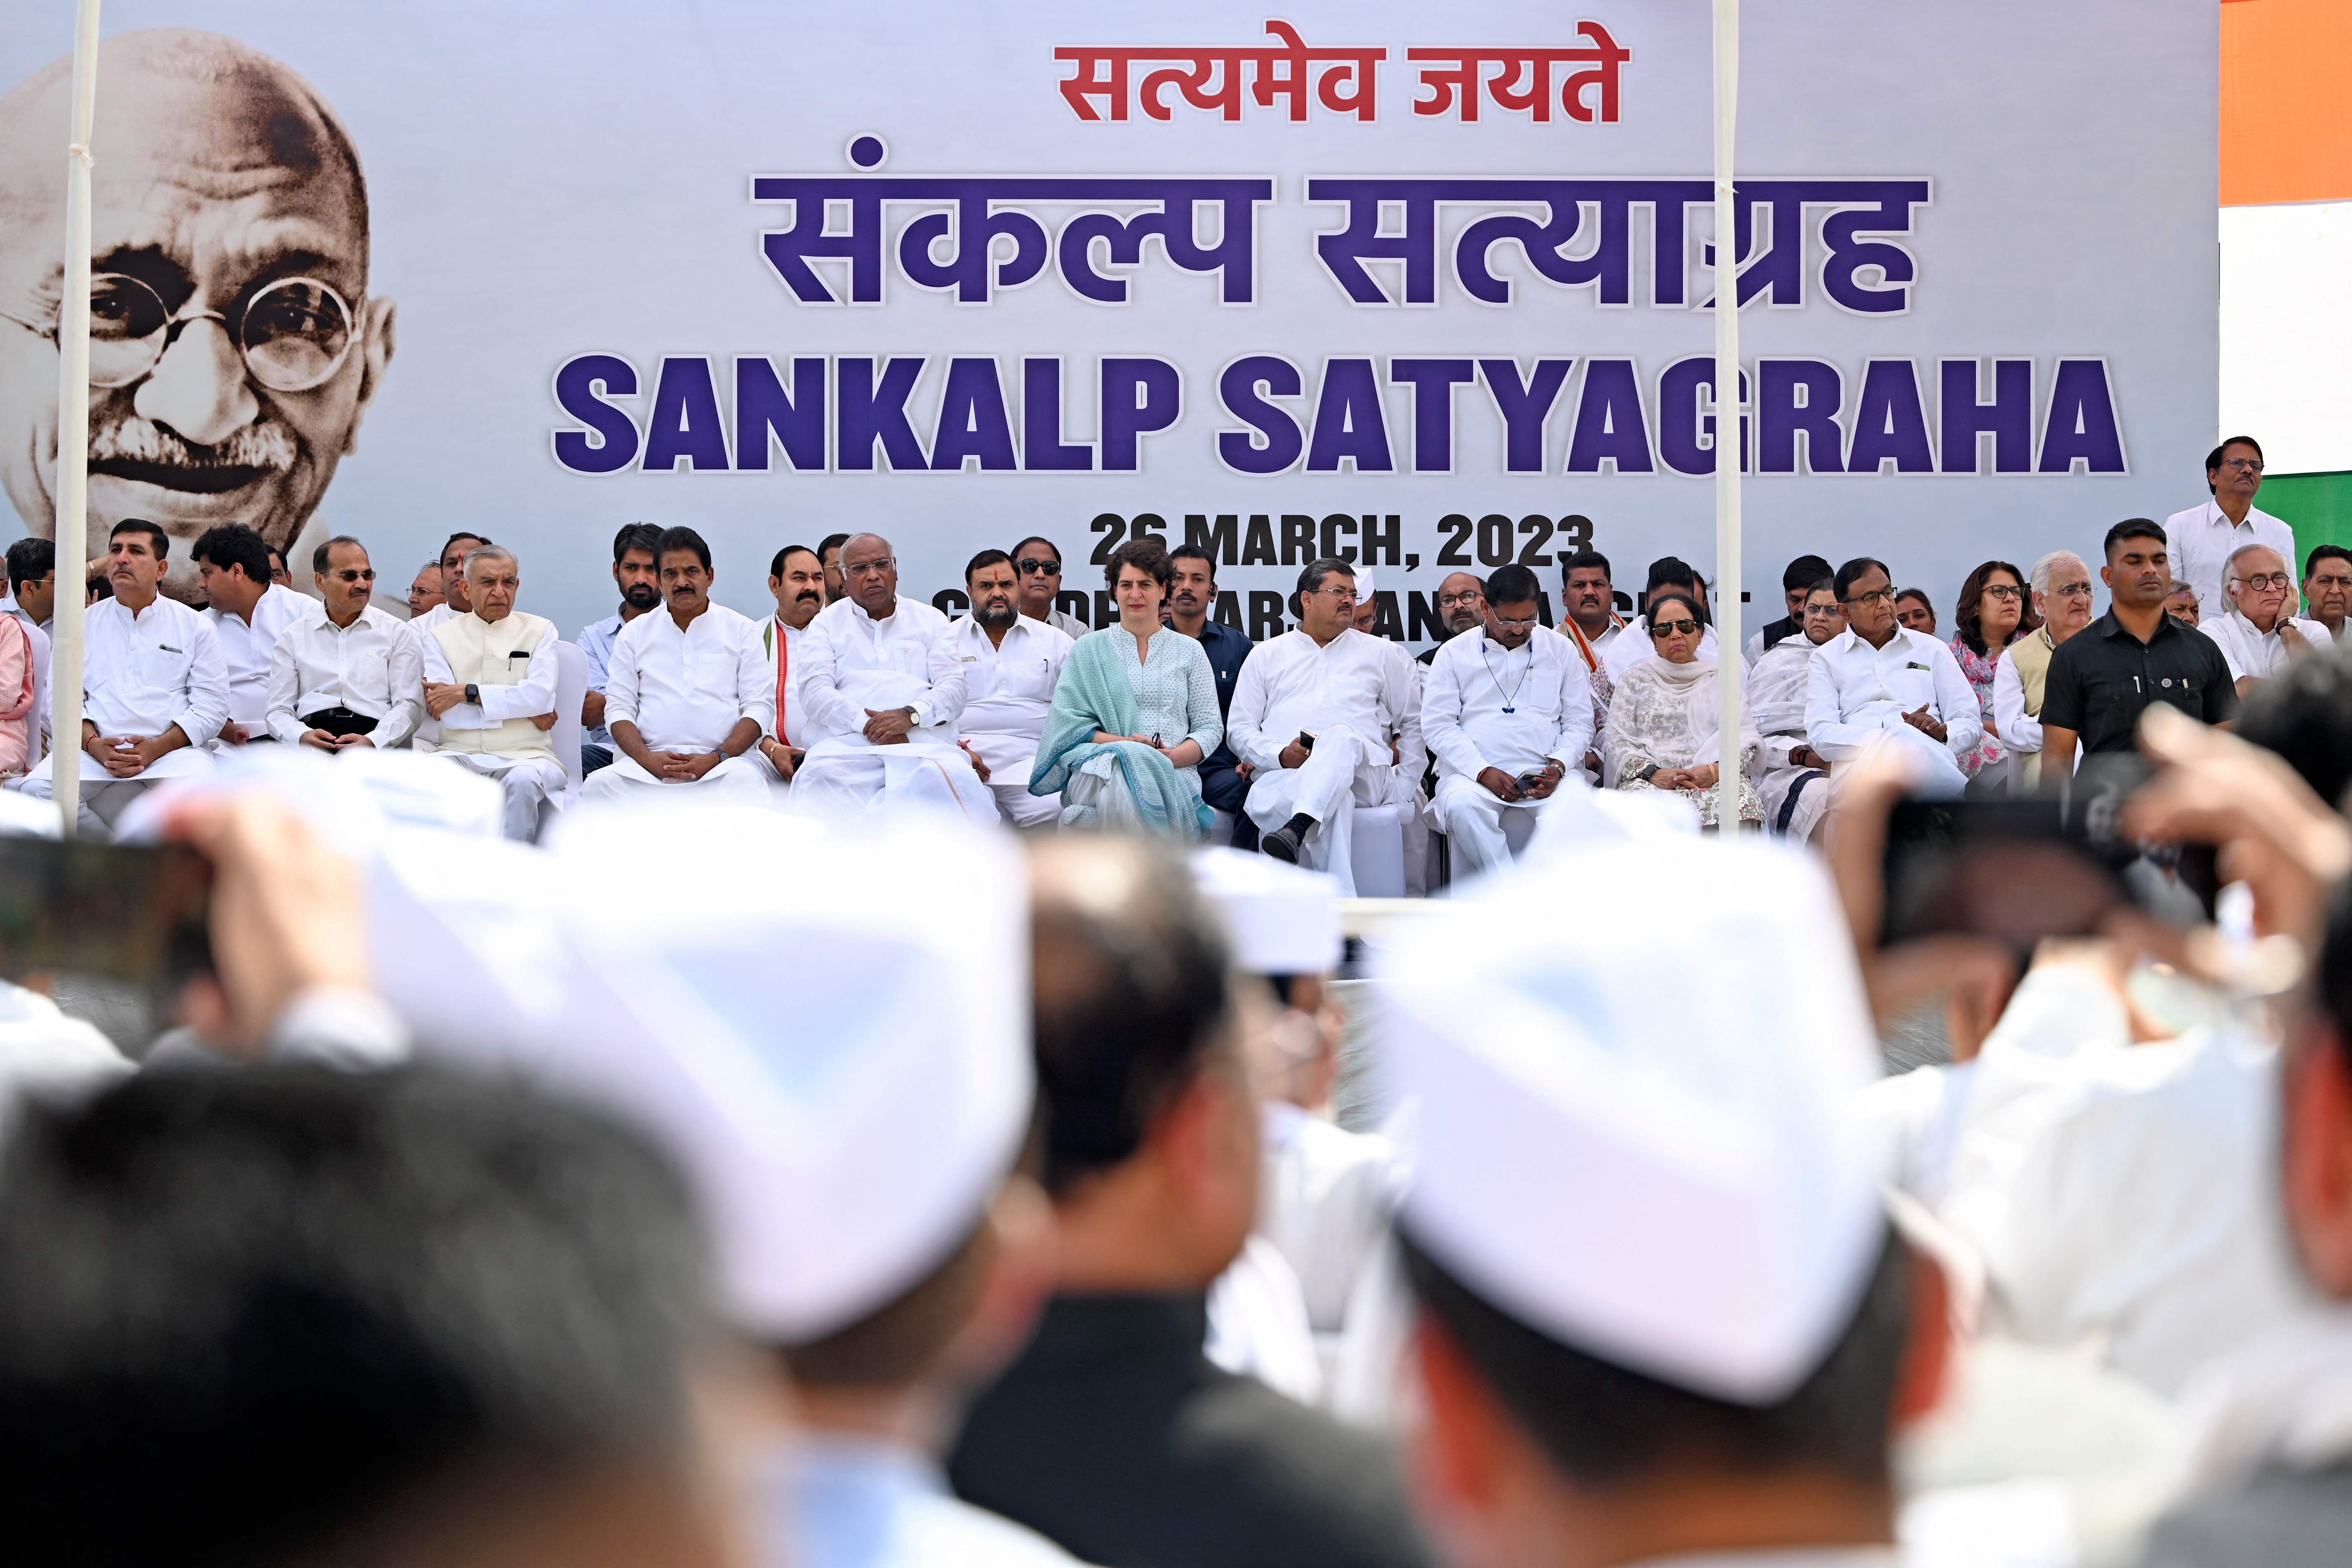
(126,911)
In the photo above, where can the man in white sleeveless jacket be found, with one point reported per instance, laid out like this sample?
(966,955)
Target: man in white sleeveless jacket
(489,679)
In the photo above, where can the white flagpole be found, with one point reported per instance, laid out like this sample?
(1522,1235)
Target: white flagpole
(73,435)
(1729,665)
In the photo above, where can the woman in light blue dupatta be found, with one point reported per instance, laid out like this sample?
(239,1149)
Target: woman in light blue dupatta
(1135,712)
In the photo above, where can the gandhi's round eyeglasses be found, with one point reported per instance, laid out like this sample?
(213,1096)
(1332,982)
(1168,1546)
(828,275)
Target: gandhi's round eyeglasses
(292,334)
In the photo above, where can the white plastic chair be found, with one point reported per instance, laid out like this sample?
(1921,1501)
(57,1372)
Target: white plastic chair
(571,691)
(1376,851)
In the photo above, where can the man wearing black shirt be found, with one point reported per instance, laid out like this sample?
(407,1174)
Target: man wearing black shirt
(1191,595)
(1114,1434)
(2104,676)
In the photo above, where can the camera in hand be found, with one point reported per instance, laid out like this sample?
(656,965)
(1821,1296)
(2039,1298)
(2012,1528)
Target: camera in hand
(2049,865)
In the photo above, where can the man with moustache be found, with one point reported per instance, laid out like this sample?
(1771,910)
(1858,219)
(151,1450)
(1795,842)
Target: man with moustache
(249,613)
(1460,604)
(2327,587)
(885,692)
(1038,564)
(234,344)
(796,580)
(2102,679)
(688,695)
(1011,666)
(353,676)
(489,681)
(2201,539)
(156,686)
(456,599)
(1589,618)
(640,584)
(1191,595)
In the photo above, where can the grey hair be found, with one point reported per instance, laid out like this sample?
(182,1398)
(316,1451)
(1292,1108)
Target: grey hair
(487,553)
(2040,576)
(2230,567)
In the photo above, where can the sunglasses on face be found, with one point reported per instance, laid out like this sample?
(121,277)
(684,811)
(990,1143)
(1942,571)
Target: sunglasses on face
(348,575)
(1031,566)
(1659,630)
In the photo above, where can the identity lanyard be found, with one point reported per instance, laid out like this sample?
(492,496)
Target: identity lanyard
(1510,698)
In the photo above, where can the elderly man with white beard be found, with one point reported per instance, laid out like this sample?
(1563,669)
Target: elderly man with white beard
(1508,712)
(235,346)
(885,692)
(1012,664)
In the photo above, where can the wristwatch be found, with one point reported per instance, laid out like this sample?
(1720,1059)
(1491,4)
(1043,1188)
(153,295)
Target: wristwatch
(1646,774)
(473,694)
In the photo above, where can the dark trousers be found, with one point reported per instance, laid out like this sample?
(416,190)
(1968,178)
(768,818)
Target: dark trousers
(593,757)
(1223,786)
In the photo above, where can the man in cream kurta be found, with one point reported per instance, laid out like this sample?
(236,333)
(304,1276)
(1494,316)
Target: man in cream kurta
(1351,694)
(489,679)
(1504,701)
(885,692)
(155,686)
(1011,666)
(2061,583)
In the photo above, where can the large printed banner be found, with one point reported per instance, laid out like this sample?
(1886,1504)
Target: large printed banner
(1428,287)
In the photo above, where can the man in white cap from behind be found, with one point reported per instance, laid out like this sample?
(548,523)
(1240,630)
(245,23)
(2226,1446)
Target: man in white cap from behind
(860,1155)
(1664,1317)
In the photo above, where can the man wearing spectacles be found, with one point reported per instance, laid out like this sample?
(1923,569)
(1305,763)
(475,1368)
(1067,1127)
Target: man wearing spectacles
(353,676)
(2060,584)
(234,343)
(489,686)
(1461,606)
(1313,719)
(249,613)
(456,596)
(2328,588)
(1507,713)
(2257,634)
(885,690)
(1038,564)
(2201,539)
(1878,683)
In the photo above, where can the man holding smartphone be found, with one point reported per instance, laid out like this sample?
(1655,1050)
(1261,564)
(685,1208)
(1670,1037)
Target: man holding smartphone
(1507,711)
(154,679)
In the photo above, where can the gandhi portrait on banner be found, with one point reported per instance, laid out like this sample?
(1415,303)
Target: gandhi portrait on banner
(234,343)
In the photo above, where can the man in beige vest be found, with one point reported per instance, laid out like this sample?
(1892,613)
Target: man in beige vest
(489,679)
(2061,597)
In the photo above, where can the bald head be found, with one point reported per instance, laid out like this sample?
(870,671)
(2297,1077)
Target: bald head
(224,193)
(196,105)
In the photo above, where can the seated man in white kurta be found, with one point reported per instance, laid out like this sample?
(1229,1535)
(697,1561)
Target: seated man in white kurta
(155,682)
(489,679)
(1507,701)
(885,692)
(1011,665)
(687,691)
(1314,718)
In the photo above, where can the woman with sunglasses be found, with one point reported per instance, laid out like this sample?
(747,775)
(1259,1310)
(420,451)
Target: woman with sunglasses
(1992,612)
(1661,718)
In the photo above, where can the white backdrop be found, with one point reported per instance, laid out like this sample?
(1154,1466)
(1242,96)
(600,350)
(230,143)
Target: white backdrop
(554,181)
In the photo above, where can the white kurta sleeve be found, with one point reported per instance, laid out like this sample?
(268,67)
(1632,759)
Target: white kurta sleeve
(206,708)
(1441,719)
(1245,715)
(1413,752)
(531,696)
(2018,732)
(1826,730)
(1575,712)
(622,685)
(755,681)
(944,702)
(284,724)
(404,662)
(820,683)
(1957,704)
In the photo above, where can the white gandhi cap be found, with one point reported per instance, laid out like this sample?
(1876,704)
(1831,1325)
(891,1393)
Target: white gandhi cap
(1280,920)
(828,1027)
(1637,1136)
